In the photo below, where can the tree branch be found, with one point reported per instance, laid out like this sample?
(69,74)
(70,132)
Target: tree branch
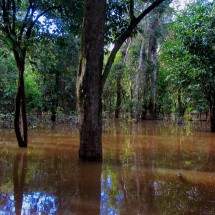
(26,21)
(6,27)
(14,17)
(131,10)
(149,9)
(28,32)
(45,11)
(121,39)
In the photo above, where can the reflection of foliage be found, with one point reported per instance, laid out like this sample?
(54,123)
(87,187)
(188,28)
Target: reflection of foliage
(7,187)
(110,195)
(32,168)
(141,190)
(33,203)
(128,150)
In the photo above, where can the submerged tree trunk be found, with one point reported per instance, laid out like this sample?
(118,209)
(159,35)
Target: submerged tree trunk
(20,118)
(89,81)
(17,32)
(212,117)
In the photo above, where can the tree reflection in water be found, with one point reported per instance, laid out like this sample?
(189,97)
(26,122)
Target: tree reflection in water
(78,192)
(19,175)
(21,202)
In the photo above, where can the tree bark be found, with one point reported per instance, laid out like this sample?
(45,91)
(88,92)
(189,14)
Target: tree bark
(89,81)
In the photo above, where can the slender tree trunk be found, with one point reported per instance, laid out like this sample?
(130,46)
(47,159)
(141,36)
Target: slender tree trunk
(153,84)
(181,108)
(118,96)
(136,92)
(119,78)
(55,99)
(130,98)
(152,60)
(89,81)
(20,118)
(145,95)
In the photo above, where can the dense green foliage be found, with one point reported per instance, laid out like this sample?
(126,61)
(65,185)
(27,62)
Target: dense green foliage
(188,57)
(185,68)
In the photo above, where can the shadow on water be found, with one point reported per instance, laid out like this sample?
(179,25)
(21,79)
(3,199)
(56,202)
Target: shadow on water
(148,168)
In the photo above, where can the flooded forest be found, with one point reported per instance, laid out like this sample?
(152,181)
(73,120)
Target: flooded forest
(107,107)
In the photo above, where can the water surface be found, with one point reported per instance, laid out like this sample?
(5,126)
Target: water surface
(148,168)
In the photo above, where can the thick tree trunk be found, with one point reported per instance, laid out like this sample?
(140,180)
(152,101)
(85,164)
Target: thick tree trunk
(89,81)
(20,118)
(212,117)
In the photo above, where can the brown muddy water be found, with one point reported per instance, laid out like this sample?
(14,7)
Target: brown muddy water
(149,168)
